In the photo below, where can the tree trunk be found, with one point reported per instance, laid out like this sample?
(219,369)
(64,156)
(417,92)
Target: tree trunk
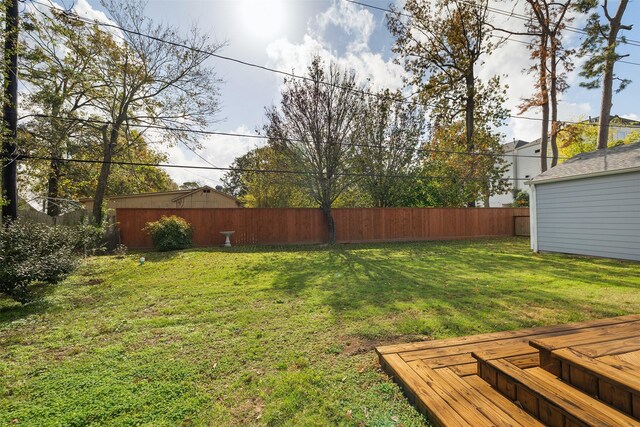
(554,101)
(103,179)
(605,106)
(544,103)
(607,77)
(53,189)
(470,106)
(9,184)
(331,225)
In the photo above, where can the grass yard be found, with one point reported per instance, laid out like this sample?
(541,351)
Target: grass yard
(275,336)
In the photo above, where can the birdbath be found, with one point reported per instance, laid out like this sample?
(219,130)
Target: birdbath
(227,235)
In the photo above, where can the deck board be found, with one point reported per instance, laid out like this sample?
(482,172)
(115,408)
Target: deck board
(425,369)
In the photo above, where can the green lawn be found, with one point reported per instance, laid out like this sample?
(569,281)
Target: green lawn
(275,336)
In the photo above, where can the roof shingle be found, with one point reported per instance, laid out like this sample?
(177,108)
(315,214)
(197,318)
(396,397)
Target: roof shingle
(595,162)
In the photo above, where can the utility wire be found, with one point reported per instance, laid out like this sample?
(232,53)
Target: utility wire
(507,13)
(71,15)
(495,10)
(213,54)
(273,171)
(265,137)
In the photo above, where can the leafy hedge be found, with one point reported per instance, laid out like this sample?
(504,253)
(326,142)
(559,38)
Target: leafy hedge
(522,199)
(31,252)
(170,233)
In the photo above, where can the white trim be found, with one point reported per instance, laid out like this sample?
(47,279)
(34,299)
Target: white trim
(533,219)
(586,175)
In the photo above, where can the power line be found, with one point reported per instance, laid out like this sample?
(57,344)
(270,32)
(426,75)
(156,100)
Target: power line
(265,137)
(213,54)
(70,15)
(497,11)
(503,12)
(270,171)
(509,39)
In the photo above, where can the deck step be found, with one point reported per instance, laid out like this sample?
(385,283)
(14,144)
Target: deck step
(450,400)
(618,385)
(548,398)
(614,339)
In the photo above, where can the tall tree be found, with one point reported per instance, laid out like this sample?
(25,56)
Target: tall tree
(388,148)
(9,194)
(601,45)
(79,179)
(316,125)
(441,44)
(55,64)
(548,20)
(152,77)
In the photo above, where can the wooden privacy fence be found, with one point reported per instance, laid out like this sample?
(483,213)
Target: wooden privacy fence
(305,226)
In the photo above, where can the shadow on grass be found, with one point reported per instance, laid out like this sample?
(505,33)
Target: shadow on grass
(11,310)
(462,283)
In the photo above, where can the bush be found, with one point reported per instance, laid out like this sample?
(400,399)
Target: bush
(31,252)
(522,199)
(170,233)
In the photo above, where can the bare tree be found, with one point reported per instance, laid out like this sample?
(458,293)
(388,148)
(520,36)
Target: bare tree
(316,125)
(601,44)
(151,77)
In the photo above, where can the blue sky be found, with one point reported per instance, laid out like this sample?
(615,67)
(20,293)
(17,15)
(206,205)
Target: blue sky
(284,34)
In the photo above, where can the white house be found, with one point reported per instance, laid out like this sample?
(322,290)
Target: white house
(589,205)
(523,159)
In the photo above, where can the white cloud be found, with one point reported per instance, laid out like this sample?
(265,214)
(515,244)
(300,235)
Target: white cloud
(85,10)
(353,21)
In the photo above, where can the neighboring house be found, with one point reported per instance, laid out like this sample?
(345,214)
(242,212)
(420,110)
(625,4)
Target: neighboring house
(203,197)
(589,205)
(523,159)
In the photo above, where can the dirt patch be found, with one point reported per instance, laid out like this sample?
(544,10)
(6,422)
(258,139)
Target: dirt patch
(355,345)
(249,411)
(64,353)
(92,282)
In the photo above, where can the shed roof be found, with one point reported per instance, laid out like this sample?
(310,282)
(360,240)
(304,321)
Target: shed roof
(624,158)
(178,193)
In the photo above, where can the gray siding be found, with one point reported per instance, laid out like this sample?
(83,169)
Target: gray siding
(597,216)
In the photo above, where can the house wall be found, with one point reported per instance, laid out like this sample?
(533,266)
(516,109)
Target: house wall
(520,169)
(597,216)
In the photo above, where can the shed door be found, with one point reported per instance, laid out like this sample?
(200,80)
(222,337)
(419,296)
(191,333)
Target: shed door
(591,216)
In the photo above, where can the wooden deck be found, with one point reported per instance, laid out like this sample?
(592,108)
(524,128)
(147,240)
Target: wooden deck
(578,374)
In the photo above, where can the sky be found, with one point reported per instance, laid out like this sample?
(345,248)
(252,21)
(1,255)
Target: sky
(286,34)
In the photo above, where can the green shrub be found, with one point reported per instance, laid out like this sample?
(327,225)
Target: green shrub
(31,252)
(522,199)
(170,233)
